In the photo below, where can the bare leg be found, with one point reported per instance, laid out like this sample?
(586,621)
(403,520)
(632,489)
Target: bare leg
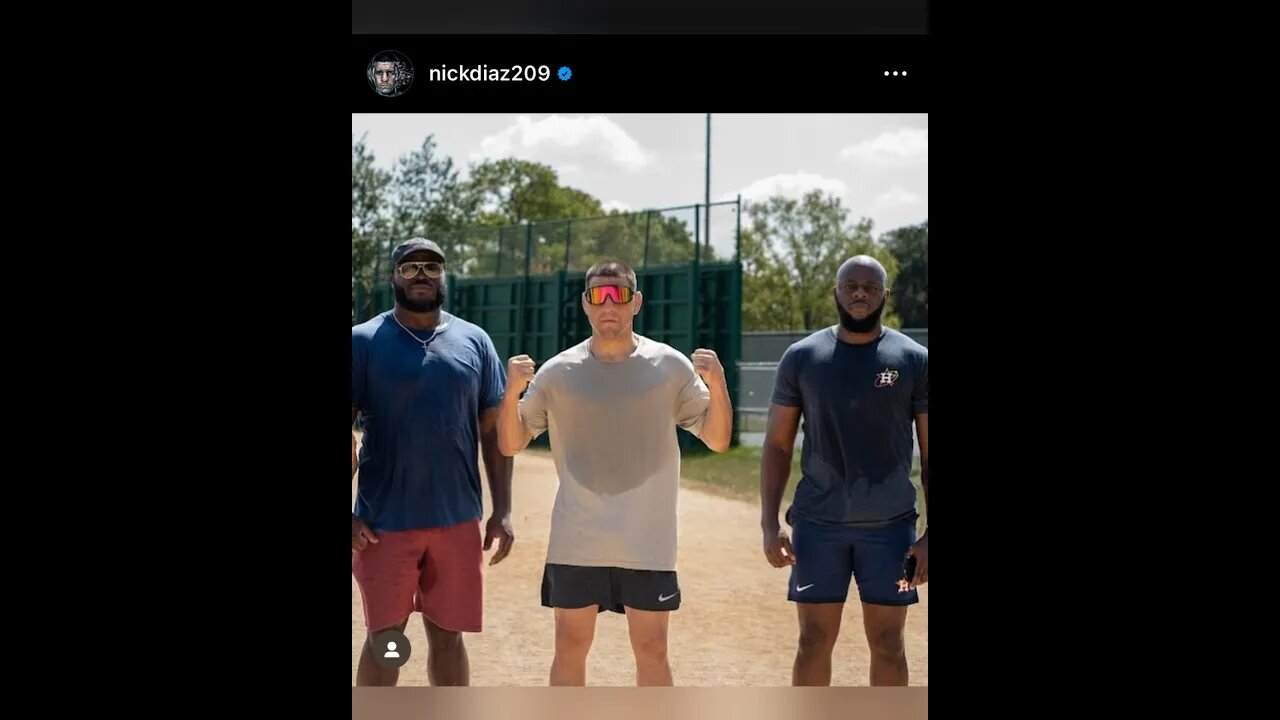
(369,673)
(575,630)
(648,629)
(447,662)
(886,636)
(819,628)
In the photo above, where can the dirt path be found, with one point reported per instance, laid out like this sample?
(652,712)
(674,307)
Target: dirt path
(734,627)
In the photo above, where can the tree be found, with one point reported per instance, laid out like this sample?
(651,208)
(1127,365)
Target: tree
(510,191)
(623,236)
(791,253)
(427,197)
(507,193)
(370,225)
(766,285)
(910,245)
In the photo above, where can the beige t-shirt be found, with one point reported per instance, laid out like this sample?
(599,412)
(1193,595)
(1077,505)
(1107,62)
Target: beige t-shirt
(613,437)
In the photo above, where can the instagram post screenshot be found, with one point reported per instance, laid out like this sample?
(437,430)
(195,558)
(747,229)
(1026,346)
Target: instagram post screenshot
(639,371)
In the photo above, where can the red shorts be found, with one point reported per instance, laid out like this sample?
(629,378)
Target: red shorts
(436,572)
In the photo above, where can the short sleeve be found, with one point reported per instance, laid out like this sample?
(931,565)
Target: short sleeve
(920,393)
(493,382)
(533,406)
(359,363)
(693,401)
(786,381)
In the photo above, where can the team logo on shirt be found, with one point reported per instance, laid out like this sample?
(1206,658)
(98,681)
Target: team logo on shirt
(886,378)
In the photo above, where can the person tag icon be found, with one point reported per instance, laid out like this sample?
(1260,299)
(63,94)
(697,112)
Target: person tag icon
(391,648)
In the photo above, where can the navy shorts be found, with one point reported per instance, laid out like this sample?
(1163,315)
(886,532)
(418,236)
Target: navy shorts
(827,556)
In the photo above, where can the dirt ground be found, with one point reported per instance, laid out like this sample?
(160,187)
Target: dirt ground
(734,626)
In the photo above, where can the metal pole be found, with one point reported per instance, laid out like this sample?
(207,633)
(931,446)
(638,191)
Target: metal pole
(697,226)
(528,248)
(697,282)
(378,278)
(647,218)
(497,268)
(707,233)
(737,248)
(524,288)
(568,240)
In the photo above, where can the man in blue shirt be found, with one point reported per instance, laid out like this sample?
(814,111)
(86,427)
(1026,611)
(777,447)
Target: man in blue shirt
(426,386)
(859,387)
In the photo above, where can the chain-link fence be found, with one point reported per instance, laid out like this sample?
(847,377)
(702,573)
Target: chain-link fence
(669,236)
(645,239)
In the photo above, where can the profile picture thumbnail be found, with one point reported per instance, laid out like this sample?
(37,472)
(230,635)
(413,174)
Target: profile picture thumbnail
(390,73)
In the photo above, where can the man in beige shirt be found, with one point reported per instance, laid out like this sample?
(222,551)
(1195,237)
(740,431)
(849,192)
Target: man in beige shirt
(612,404)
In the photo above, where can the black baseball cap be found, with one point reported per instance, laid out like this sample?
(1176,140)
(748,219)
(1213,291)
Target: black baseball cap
(413,246)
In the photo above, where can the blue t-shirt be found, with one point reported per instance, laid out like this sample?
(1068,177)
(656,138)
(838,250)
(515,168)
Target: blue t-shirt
(419,462)
(858,404)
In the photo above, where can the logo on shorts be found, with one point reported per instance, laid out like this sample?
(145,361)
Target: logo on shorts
(886,378)
(664,598)
(802,589)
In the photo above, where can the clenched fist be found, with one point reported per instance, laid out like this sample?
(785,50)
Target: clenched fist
(519,373)
(707,364)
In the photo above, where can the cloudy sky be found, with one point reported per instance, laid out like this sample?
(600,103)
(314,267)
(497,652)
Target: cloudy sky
(878,164)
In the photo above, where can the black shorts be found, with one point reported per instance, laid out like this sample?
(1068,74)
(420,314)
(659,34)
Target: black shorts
(574,586)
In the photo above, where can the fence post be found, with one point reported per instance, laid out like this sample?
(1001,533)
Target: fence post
(648,216)
(733,323)
(497,267)
(524,288)
(377,275)
(737,250)
(694,305)
(562,321)
(568,242)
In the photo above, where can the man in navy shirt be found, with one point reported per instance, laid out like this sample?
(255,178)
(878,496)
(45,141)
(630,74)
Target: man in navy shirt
(426,386)
(859,387)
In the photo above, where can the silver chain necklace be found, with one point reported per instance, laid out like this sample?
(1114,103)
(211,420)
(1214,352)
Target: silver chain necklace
(439,329)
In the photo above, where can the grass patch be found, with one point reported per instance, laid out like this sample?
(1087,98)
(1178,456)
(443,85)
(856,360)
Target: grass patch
(735,474)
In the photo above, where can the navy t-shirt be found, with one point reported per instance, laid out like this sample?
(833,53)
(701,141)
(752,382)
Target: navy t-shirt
(858,405)
(419,462)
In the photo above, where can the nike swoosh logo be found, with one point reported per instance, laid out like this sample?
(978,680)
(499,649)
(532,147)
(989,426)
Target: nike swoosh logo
(806,587)
(664,598)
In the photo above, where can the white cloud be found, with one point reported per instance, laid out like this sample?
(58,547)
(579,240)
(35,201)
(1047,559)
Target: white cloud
(902,147)
(557,139)
(611,205)
(898,195)
(791,185)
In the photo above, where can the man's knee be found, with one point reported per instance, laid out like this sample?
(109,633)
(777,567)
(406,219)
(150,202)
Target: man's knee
(650,647)
(887,642)
(817,637)
(441,640)
(573,641)
(372,634)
